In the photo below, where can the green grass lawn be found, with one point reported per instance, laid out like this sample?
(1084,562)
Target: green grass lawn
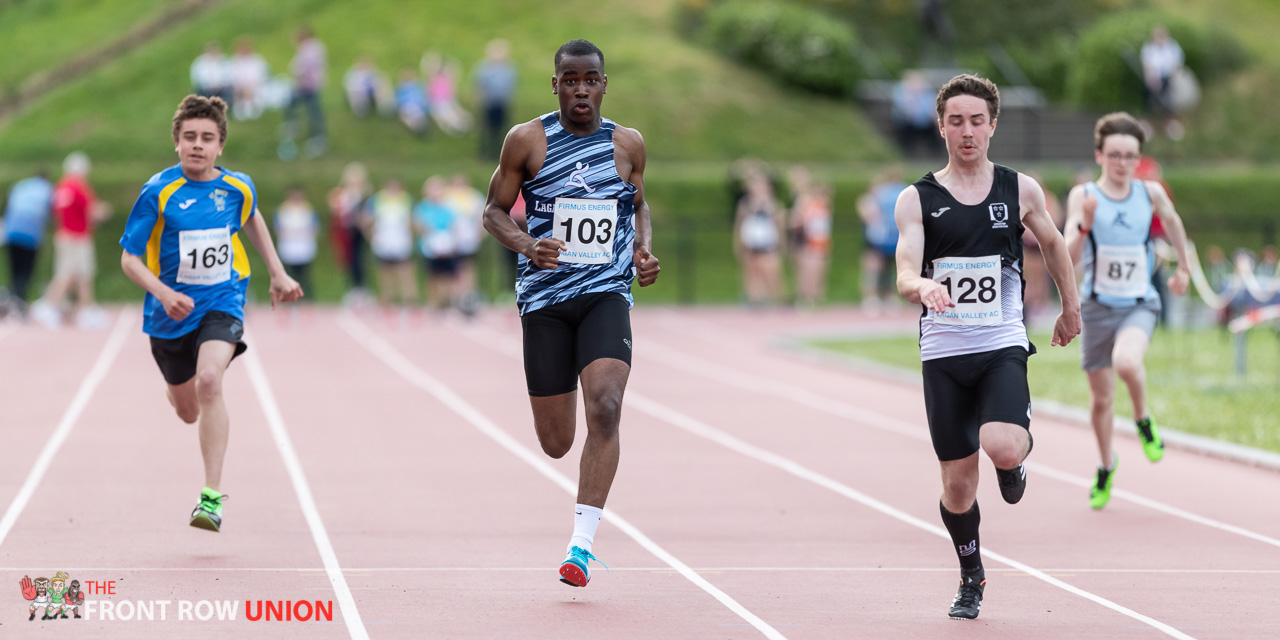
(40,35)
(690,103)
(1191,376)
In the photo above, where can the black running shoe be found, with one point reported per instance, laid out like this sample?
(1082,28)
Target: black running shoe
(1013,482)
(968,599)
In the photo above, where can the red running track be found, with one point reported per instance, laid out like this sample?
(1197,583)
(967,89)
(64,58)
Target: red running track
(392,471)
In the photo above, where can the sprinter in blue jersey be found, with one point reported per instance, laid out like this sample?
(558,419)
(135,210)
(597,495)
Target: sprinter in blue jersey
(182,244)
(1109,232)
(582,178)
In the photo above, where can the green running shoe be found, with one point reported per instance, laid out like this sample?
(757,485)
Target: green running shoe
(1152,443)
(208,513)
(1100,492)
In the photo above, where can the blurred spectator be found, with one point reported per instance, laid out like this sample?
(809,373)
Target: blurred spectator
(880,233)
(1219,272)
(442,93)
(211,73)
(309,68)
(1266,269)
(346,207)
(1037,294)
(434,222)
(495,79)
(811,231)
(248,78)
(367,88)
(939,32)
(1162,59)
(296,229)
(78,211)
(757,241)
(22,231)
(914,114)
(411,102)
(467,204)
(389,224)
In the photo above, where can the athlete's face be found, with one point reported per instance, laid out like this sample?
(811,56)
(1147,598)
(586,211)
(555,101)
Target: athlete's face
(580,83)
(1119,157)
(198,146)
(967,126)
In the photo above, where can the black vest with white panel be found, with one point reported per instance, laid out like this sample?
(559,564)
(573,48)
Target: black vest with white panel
(976,252)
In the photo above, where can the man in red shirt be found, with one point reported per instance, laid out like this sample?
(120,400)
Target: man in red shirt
(77,210)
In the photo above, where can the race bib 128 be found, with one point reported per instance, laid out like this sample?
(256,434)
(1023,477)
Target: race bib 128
(974,287)
(587,228)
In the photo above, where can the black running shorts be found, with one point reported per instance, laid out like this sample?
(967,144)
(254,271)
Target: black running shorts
(560,340)
(177,356)
(962,393)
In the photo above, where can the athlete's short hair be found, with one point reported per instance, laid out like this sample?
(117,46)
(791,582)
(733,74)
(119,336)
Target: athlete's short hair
(578,48)
(196,107)
(1118,123)
(967,84)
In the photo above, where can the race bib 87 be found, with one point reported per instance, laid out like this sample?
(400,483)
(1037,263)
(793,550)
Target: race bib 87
(974,287)
(587,228)
(1121,271)
(204,256)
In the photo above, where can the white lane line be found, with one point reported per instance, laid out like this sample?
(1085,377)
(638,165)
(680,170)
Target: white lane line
(799,395)
(419,378)
(347,603)
(947,570)
(701,429)
(91,381)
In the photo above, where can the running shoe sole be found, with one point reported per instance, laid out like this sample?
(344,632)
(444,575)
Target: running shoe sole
(572,575)
(203,521)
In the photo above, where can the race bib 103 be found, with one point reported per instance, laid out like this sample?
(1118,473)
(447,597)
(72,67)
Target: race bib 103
(587,228)
(204,256)
(974,287)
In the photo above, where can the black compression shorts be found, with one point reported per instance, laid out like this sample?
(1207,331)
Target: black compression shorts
(560,340)
(962,393)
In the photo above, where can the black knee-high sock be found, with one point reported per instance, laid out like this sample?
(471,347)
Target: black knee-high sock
(963,528)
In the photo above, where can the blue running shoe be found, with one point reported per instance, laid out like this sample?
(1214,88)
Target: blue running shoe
(574,571)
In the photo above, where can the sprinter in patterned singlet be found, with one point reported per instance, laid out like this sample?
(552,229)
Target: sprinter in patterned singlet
(963,263)
(582,179)
(1109,233)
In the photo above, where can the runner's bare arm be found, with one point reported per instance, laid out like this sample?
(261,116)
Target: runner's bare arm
(504,188)
(176,305)
(283,287)
(1035,216)
(915,288)
(1080,209)
(632,170)
(1173,227)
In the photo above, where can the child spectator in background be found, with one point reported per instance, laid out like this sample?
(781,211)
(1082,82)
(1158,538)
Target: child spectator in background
(296,229)
(22,230)
(442,94)
(388,224)
(249,76)
(436,225)
(811,232)
(411,102)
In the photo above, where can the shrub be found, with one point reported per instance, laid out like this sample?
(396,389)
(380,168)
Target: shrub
(1101,78)
(798,45)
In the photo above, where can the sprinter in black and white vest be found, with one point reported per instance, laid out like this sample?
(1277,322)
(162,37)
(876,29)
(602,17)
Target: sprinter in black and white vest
(960,257)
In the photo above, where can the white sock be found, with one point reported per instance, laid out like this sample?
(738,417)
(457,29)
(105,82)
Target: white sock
(586,520)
